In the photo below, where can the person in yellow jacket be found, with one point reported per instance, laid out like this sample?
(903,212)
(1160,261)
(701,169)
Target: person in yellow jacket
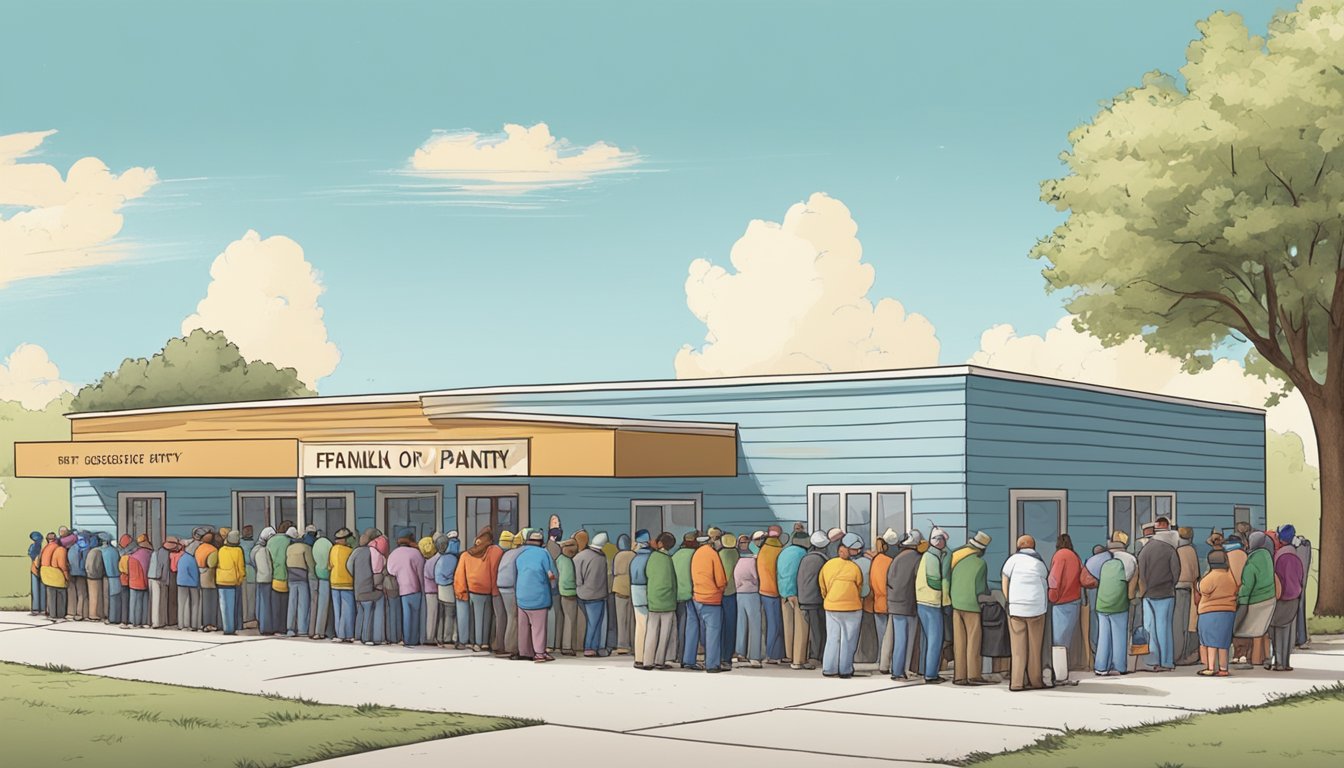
(932,595)
(841,584)
(230,569)
(342,586)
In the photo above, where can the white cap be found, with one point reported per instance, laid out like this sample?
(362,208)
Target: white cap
(452,535)
(820,539)
(599,541)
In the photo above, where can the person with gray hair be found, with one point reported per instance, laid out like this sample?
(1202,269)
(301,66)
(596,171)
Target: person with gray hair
(593,586)
(841,584)
(901,604)
(811,600)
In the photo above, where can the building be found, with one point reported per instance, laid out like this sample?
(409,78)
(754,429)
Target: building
(964,448)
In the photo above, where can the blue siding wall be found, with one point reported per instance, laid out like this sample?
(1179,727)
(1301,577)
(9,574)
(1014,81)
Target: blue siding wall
(1024,435)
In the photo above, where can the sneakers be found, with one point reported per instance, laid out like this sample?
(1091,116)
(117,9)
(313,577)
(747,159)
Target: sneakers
(933,680)
(754,664)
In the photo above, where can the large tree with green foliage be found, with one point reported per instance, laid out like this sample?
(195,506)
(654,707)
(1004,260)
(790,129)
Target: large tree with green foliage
(1206,212)
(202,367)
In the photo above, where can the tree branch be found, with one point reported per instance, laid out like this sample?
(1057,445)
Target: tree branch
(1283,183)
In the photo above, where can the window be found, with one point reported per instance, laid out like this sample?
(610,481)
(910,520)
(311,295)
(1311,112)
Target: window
(1241,514)
(1043,515)
(139,513)
(417,508)
(498,507)
(329,511)
(676,516)
(869,510)
(1131,510)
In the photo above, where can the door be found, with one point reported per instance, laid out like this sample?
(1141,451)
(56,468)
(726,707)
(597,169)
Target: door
(419,513)
(499,513)
(675,516)
(1041,514)
(142,513)
(330,513)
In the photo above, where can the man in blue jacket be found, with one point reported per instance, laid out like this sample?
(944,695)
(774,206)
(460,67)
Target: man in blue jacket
(639,593)
(533,593)
(111,579)
(38,593)
(79,583)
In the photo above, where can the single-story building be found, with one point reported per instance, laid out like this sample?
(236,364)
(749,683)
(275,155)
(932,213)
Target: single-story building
(964,448)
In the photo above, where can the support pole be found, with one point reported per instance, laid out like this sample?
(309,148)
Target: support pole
(300,514)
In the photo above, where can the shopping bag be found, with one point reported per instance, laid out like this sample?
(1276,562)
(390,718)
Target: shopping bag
(1138,644)
(1059,659)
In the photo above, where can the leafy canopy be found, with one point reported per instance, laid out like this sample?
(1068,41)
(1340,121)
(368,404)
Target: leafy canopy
(1208,211)
(202,367)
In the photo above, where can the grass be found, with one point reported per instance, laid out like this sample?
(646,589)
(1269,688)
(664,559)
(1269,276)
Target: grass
(66,716)
(1297,730)
(1325,625)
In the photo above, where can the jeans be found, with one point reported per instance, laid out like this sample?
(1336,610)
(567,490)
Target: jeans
(364,615)
(1112,642)
(1157,617)
(264,615)
(900,647)
(480,611)
(842,640)
(38,594)
(462,609)
(139,607)
(412,618)
(593,636)
(774,627)
(683,616)
(1064,622)
(113,603)
(748,625)
(343,606)
(228,609)
(710,619)
(392,617)
(297,616)
(931,622)
(691,636)
(322,617)
(728,637)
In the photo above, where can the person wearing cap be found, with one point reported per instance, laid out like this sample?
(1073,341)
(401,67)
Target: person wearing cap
(1114,591)
(1215,598)
(882,552)
(204,547)
(681,563)
(506,627)
(406,565)
(568,590)
(592,586)
(124,551)
(1288,573)
(263,573)
(534,573)
(747,593)
(931,584)
(431,547)
(93,571)
(78,588)
(285,534)
(52,572)
(767,567)
(37,592)
(833,537)
(445,572)
(1159,571)
(1256,599)
(323,623)
(138,580)
(160,573)
(342,583)
(729,556)
(299,563)
(1026,588)
(661,575)
(189,587)
(639,593)
(902,604)
(811,601)
(248,596)
(620,589)
(795,621)
(970,587)
(367,589)
(841,584)
(1186,618)
(383,546)
(498,620)
(708,580)
(107,550)
(230,572)
(1067,580)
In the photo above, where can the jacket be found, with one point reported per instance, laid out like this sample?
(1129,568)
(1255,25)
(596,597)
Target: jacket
(729,557)
(202,555)
(786,569)
(620,573)
(299,557)
(75,555)
(841,582)
(809,579)
(493,554)
(708,578)
(767,566)
(445,571)
(474,576)
(901,577)
(1066,577)
(507,576)
(278,546)
(54,568)
(138,568)
(681,563)
(639,577)
(110,557)
(94,567)
(338,567)
(970,581)
(1288,567)
(535,570)
(745,579)
(407,566)
(1189,565)
(564,575)
(188,572)
(1217,591)
(1257,579)
(362,575)
(931,586)
(160,567)
(1236,562)
(1159,569)
(877,581)
(261,565)
(590,575)
(232,569)
(322,558)
(662,578)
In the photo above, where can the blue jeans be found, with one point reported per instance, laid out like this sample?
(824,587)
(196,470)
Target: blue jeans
(264,609)
(343,606)
(1064,622)
(1112,642)
(412,618)
(594,638)
(113,603)
(299,594)
(710,619)
(228,609)
(774,627)
(931,622)
(900,627)
(463,610)
(1157,617)
(139,607)
(39,594)
(364,617)
(842,640)
(691,636)
(728,643)
(748,625)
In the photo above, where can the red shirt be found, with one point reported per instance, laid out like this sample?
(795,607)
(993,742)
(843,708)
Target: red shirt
(1066,574)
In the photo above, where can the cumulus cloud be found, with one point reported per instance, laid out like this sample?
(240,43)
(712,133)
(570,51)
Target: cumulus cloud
(1065,353)
(61,224)
(263,295)
(521,159)
(30,378)
(797,302)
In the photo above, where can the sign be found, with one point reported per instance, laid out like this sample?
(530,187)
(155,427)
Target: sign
(158,458)
(455,458)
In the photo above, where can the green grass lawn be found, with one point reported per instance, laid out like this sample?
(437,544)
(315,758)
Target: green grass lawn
(53,716)
(1325,625)
(1298,730)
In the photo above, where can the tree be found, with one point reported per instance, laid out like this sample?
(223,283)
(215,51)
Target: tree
(1206,214)
(202,367)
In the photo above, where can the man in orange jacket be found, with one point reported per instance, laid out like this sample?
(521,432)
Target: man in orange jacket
(767,571)
(708,580)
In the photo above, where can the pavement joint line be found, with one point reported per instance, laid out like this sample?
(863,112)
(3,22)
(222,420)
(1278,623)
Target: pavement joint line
(161,658)
(1192,710)
(636,731)
(201,641)
(929,719)
(789,750)
(897,687)
(366,666)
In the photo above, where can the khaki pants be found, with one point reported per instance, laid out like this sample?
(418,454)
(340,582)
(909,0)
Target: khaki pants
(641,632)
(967,663)
(659,646)
(97,598)
(795,631)
(1026,636)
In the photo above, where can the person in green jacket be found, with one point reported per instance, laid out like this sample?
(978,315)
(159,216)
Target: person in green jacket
(1256,597)
(567,585)
(1112,609)
(931,595)
(661,575)
(278,546)
(729,556)
(322,627)
(969,584)
(681,562)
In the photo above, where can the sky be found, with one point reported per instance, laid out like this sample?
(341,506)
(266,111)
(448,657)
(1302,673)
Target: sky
(933,124)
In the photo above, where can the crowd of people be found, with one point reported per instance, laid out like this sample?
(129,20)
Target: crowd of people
(713,601)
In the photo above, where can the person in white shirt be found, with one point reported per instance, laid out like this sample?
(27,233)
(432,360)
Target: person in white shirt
(1025,585)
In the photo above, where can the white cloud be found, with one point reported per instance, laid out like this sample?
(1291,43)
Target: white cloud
(61,224)
(519,160)
(29,377)
(797,302)
(263,295)
(1065,353)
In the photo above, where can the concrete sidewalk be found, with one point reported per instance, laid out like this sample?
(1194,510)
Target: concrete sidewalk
(605,706)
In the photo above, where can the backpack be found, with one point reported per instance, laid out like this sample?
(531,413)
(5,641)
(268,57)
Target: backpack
(1138,643)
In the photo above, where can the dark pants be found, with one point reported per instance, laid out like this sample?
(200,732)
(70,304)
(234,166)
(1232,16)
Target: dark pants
(682,616)
(265,613)
(816,632)
(774,627)
(56,602)
(279,610)
(729,625)
(593,611)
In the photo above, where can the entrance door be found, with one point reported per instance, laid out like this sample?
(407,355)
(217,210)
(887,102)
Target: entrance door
(331,513)
(142,513)
(1043,515)
(676,516)
(419,513)
(499,507)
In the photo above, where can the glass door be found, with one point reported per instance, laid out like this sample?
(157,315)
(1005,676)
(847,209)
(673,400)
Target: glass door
(418,513)
(498,513)
(142,514)
(1041,514)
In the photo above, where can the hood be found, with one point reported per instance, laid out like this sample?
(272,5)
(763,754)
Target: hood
(623,542)
(380,544)
(599,541)
(427,548)
(1260,541)
(581,540)
(483,541)
(266,534)
(68,539)
(104,538)
(1169,537)
(441,543)
(35,536)
(454,547)
(124,541)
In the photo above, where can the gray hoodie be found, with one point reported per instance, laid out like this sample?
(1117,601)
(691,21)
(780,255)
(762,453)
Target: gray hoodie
(590,573)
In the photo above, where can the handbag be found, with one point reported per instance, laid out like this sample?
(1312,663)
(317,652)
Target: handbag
(1138,643)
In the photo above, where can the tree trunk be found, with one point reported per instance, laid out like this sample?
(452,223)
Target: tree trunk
(1328,417)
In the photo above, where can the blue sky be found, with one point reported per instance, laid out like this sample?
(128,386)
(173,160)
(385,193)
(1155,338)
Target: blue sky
(934,124)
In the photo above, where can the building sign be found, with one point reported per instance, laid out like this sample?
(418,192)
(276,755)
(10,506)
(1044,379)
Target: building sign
(456,458)
(158,458)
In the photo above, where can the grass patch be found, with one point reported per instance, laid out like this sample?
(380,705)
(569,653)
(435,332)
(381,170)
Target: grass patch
(59,669)
(1296,729)
(107,722)
(1325,625)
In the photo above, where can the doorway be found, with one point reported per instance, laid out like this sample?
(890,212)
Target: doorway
(416,508)
(498,507)
(142,513)
(1044,514)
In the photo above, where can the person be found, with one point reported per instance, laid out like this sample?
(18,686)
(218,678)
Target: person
(111,578)
(970,586)
(532,585)
(902,603)
(499,620)
(767,561)
(661,575)
(406,565)
(189,588)
(474,582)
(568,591)
(1066,582)
(279,548)
(366,587)
(747,590)
(681,562)
(342,583)
(592,587)
(620,588)
(1100,554)
(639,593)
(1216,604)
(95,573)
(1302,547)
(833,537)
(795,621)
(708,581)
(160,574)
(138,580)
(930,586)
(37,591)
(264,573)
(1186,619)
(453,625)
(884,549)
(810,599)
(230,572)
(1026,587)
(1114,578)
(841,583)
(726,546)
(322,598)
(249,592)
(299,562)
(391,588)
(209,586)
(506,583)
(429,588)
(1255,597)
(79,585)
(1288,571)
(1159,571)
(53,577)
